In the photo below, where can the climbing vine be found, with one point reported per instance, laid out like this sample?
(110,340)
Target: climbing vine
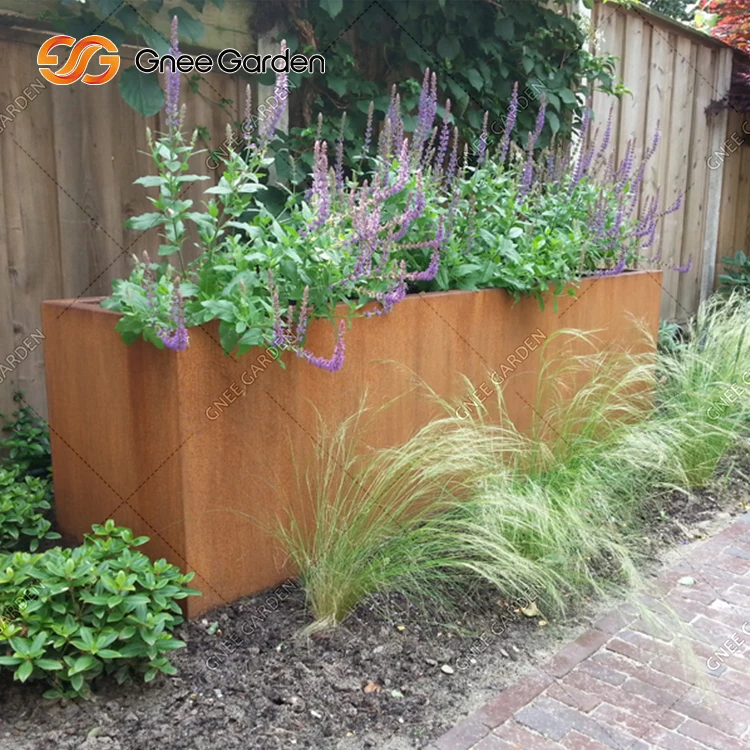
(478,49)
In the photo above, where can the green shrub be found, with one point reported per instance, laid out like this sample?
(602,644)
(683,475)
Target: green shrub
(737,276)
(22,500)
(70,615)
(27,446)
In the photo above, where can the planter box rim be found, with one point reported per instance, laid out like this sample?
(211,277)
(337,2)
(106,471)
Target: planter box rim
(81,303)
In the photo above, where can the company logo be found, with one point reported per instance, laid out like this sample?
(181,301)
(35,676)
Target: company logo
(75,67)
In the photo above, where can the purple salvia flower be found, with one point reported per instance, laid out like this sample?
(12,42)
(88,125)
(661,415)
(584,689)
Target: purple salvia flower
(684,269)
(445,135)
(333,364)
(482,148)
(675,206)
(384,140)
(368,129)
(415,206)
(279,333)
(402,176)
(617,270)
(175,335)
(304,316)
(654,142)
(280,94)
(581,164)
(397,123)
(528,170)
(549,171)
(425,114)
(247,122)
(607,135)
(626,167)
(453,159)
(431,271)
(319,194)
(172,109)
(510,122)
(339,168)
(395,294)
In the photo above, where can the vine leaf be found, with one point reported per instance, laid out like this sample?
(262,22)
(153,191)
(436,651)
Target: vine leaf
(448,47)
(141,91)
(339,85)
(332,7)
(153,38)
(107,7)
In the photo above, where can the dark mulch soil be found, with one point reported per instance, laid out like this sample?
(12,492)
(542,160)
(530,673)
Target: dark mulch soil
(389,679)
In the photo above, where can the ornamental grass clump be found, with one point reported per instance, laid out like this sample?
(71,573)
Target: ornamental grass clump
(554,514)
(702,407)
(468,503)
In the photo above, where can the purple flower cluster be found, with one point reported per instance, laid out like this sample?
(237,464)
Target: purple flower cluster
(320,193)
(510,123)
(336,362)
(173,335)
(528,169)
(172,81)
(614,222)
(290,335)
(268,127)
(247,120)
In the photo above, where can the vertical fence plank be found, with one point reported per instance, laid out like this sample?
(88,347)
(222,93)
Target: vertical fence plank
(742,225)
(683,77)
(7,344)
(659,116)
(719,125)
(31,212)
(694,204)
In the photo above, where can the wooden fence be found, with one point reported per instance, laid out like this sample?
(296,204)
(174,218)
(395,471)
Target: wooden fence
(69,155)
(68,159)
(674,73)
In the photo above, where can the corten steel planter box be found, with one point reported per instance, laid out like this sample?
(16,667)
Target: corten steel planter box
(195,449)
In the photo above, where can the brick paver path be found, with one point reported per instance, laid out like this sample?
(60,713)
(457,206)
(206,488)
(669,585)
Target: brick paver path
(618,688)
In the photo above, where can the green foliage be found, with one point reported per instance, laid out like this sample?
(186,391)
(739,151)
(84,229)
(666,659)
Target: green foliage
(478,49)
(141,91)
(737,276)
(26,446)
(22,502)
(532,245)
(671,336)
(243,245)
(68,616)
(680,10)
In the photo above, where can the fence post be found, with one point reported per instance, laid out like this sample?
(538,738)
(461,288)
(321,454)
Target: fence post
(716,177)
